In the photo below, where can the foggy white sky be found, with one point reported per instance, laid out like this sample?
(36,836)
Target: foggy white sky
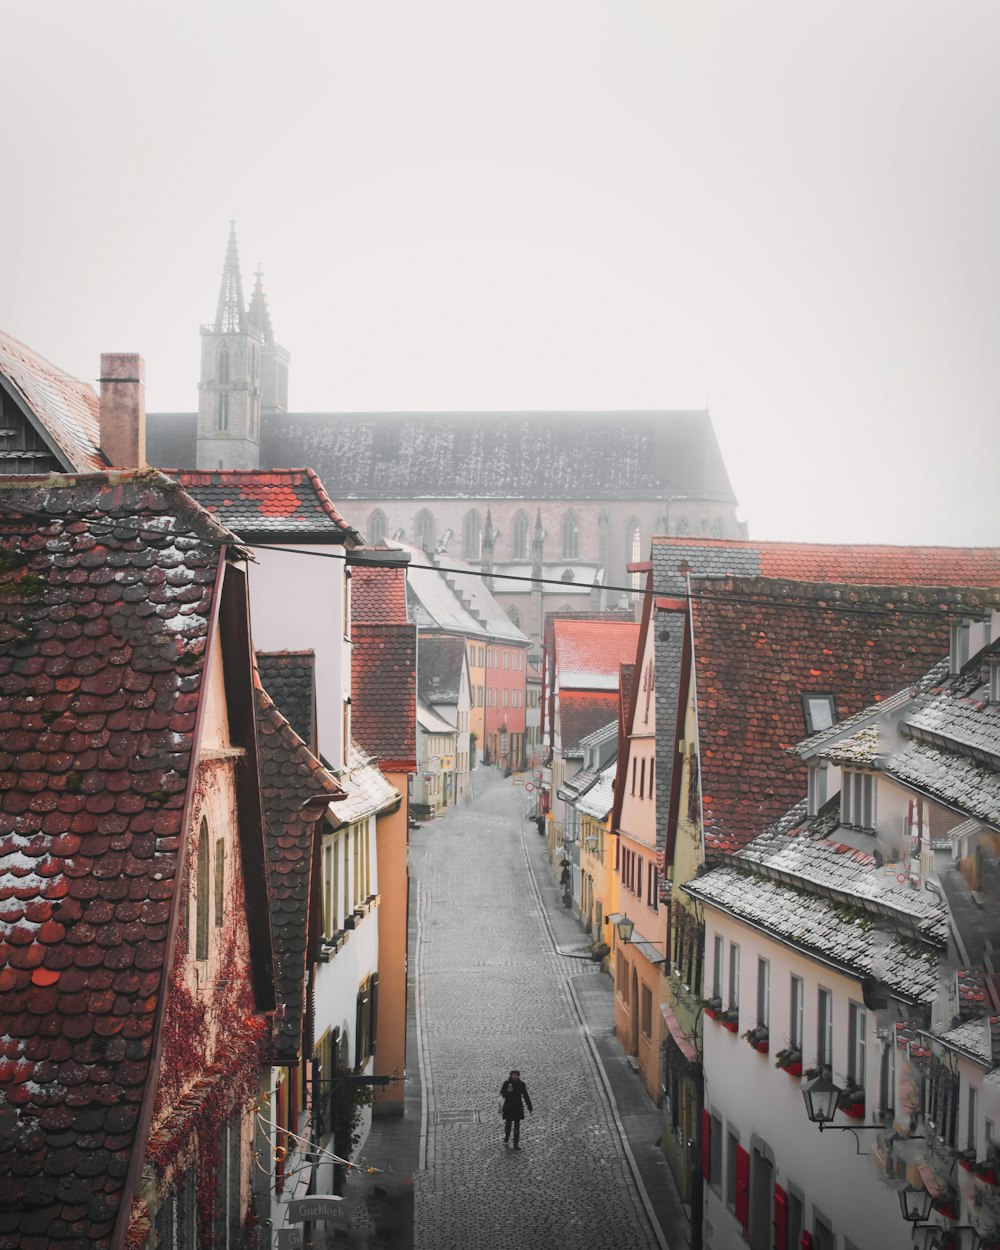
(789,210)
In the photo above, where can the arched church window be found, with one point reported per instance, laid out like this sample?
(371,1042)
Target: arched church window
(718,528)
(222,416)
(424,530)
(633,548)
(570,537)
(683,527)
(514,616)
(521,533)
(222,366)
(472,536)
(377,526)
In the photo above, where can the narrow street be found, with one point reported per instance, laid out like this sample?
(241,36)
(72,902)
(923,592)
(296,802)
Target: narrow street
(498,987)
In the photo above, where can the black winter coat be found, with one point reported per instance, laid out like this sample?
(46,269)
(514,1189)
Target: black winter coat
(514,1095)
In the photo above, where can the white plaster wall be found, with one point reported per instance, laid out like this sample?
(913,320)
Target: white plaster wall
(752,1096)
(297,602)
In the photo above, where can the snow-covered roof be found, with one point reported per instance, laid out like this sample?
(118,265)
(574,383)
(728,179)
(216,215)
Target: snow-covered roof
(430,722)
(366,788)
(956,780)
(598,800)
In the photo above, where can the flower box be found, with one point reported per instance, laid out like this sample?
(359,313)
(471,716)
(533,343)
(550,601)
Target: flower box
(793,1068)
(712,1013)
(731,1025)
(947,1209)
(854,1110)
(969,1165)
(763,1047)
(986,1173)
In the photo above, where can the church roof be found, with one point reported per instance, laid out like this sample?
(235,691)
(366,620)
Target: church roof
(493,455)
(64,411)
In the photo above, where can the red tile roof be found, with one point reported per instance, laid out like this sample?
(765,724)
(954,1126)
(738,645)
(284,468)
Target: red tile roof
(106,605)
(378,597)
(384,694)
(581,712)
(268,504)
(290,777)
(66,408)
(590,653)
(759,644)
(857,564)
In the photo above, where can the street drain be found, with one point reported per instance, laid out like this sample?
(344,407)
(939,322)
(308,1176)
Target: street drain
(458,1117)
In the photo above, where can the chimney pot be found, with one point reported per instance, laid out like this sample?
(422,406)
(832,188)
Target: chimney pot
(123,410)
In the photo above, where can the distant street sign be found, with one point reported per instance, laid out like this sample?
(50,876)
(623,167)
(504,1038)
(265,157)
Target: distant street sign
(529,787)
(318,1207)
(518,779)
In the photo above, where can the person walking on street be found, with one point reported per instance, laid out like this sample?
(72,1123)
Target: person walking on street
(513,1099)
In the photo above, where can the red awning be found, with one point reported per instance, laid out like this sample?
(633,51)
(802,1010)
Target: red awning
(684,1042)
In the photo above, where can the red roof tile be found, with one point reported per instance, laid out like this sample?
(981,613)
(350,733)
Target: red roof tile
(384,694)
(590,653)
(268,504)
(106,599)
(760,644)
(378,597)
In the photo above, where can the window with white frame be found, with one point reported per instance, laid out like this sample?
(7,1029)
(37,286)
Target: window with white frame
(796,1013)
(857,1020)
(717,967)
(824,1028)
(817,781)
(763,993)
(857,800)
(734,977)
(972,1119)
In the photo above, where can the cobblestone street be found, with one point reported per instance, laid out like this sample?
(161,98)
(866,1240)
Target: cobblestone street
(496,991)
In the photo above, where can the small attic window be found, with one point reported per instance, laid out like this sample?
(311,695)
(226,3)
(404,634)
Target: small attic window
(958,650)
(817,786)
(857,800)
(819,711)
(995,680)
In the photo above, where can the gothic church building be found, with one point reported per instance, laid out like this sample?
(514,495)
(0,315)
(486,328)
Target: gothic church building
(568,499)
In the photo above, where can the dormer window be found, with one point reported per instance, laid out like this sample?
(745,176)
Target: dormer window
(958,651)
(817,786)
(819,711)
(857,800)
(995,680)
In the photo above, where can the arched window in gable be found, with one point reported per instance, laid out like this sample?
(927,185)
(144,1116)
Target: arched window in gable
(570,537)
(521,536)
(377,526)
(424,530)
(472,536)
(202,894)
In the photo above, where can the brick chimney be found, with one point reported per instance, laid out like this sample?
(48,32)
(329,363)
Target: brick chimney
(123,409)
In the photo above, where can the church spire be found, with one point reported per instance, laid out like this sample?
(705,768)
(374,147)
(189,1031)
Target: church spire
(258,317)
(231,317)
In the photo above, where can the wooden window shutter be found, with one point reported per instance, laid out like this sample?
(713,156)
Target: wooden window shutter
(706,1144)
(780,1219)
(742,1187)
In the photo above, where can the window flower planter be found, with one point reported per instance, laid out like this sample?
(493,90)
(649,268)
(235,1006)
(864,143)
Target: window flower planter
(986,1173)
(852,1103)
(712,1008)
(712,1013)
(730,1020)
(790,1061)
(758,1039)
(967,1163)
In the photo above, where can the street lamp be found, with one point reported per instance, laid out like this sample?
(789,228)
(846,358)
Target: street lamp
(821,1096)
(915,1204)
(625,928)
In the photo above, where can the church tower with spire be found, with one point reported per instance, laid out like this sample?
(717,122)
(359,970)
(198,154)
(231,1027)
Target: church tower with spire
(229,393)
(273,357)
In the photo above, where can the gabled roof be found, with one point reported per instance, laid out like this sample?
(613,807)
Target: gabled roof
(604,734)
(439,673)
(295,789)
(468,584)
(493,455)
(430,722)
(269,505)
(853,564)
(760,644)
(107,599)
(289,677)
(588,654)
(64,411)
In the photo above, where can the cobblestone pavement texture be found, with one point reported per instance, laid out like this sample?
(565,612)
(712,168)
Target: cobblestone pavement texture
(501,984)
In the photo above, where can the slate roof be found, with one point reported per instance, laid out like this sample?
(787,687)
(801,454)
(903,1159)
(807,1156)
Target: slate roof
(957,780)
(289,677)
(580,713)
(439,671)
(106,599)
(367,791)
(759,644)
(66,409)
(860,946)
(853,564)
(273,505)
(588,654)
(492,455)
(971,1037)
(295,788)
